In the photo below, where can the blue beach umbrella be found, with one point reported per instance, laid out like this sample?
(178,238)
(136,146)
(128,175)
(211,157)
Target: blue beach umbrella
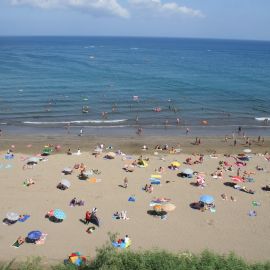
(34,235)
(208,199)
(59,214)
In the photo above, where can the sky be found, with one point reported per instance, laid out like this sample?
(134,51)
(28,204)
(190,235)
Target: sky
(230,19)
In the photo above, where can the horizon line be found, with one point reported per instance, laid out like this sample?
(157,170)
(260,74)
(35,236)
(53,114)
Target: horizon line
(149,37)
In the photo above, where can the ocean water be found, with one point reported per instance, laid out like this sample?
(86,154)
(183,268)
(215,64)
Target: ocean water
(45,82)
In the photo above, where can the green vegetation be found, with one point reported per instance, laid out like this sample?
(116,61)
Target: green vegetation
(113,259)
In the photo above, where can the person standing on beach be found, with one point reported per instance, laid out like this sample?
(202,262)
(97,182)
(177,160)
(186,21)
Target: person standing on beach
(139,131)
(166,123)
(234,142)
(239,130)
(125,182)
(81,132)
(177,121)
(187,131)
(238,171)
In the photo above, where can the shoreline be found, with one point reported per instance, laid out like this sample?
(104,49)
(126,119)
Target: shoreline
(132,144)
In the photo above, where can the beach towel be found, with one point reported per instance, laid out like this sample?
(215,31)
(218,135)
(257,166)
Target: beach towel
(9,157)
(252,213)
(94,180)
(42,239)
(132,199)
(155,181)
(157,176)
(16,244)
(122,244)
(255,203)
(24,218)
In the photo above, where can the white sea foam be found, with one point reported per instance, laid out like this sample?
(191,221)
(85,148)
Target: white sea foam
(76,122)
(262,118)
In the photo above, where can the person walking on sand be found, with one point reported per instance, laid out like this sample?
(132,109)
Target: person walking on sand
(187,131)
(125,182)
(234,142)
(81,132)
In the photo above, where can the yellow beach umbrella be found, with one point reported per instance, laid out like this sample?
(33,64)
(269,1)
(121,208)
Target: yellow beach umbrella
(176,164)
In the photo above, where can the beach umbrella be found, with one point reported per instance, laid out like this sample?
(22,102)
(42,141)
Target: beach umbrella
(33,160)
(247,150)
(67,169)
(12,216)
(187,171)
(168,207)
(175,164)
(59,214)
(207,199)
(65,183)
(34,235)
(157,207)
(111,155)
(88,173)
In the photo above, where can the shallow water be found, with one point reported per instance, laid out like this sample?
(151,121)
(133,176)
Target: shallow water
(45,81)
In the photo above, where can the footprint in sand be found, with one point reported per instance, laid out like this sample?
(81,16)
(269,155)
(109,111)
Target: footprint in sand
(210,222)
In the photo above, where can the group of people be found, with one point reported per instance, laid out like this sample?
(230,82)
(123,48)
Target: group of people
(120,215)
(74,202)
(29,182)
(197,161)
(88,215)
(148,188)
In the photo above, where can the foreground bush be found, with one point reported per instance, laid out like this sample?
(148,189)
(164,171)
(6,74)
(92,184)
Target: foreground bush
(112,259)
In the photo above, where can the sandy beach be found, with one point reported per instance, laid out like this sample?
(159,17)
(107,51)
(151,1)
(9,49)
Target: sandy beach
(230,228)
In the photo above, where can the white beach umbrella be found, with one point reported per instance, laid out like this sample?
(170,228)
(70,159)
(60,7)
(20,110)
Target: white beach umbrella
(187,171)
(33,160)
(65,183)
(67,169)
(12,216)
(88,173)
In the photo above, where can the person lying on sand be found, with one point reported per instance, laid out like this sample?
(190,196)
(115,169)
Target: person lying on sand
(160,170)
(266,188)
(158,147)
(250,191)
(29,182)
(259,168)
(224,196)
(189,161)
(61,187)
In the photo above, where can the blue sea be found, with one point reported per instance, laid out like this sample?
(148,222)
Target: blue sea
(128,83)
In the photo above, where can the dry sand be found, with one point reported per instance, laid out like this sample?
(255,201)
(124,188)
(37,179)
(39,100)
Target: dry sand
(229,229)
